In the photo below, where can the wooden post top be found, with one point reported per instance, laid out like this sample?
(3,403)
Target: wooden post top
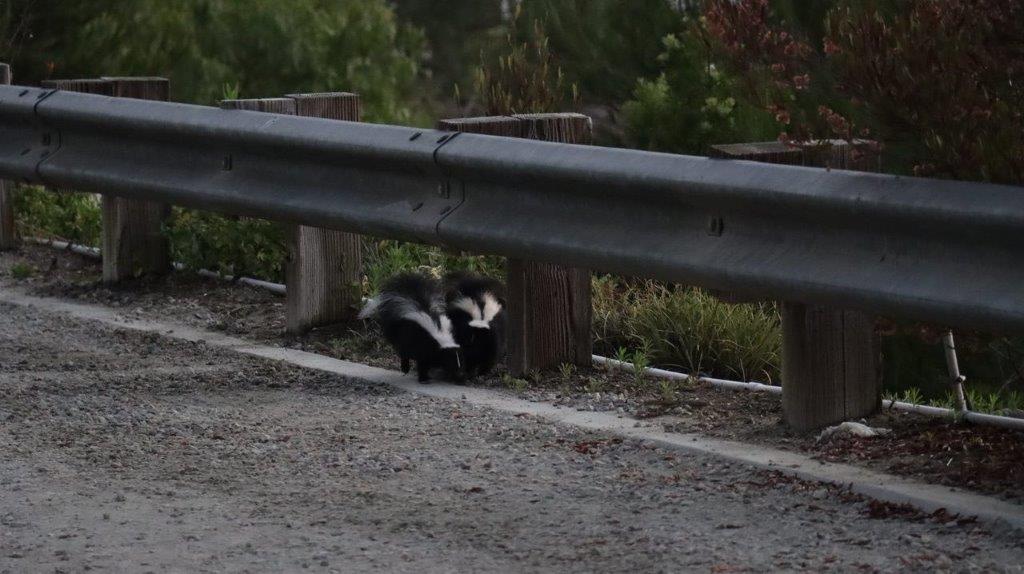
(271,105)
(833,153)
(138,87)
(83,85)
(330,105)
(558,127)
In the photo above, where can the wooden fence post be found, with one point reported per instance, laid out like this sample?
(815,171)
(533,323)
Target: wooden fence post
(831,359)
(133,242)
(8,238)
(133,239)
(548,305)
(324,268)
(324,273)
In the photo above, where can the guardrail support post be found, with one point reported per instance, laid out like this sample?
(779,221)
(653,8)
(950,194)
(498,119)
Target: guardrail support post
(548,305)
(324,268)
(133,241)
(8,237)
(831,359)
(324,273)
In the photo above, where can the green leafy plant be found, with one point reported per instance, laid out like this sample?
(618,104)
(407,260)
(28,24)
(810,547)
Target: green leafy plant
(946,401)
(22,271)
(595,385)
(230,91)
(667,390)
(73,217)
(567,370)
(913,396)
(238,246)
(691,104)
(384,257)
(994,402)
(523,77)
(514,383)
(267,46)
(640,364)
(686,328)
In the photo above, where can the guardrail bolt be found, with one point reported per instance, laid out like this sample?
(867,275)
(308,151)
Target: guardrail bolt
(47,139)
(715,225)
(228,163)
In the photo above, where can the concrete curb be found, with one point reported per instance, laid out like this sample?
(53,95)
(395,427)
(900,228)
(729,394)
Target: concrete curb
(926,497)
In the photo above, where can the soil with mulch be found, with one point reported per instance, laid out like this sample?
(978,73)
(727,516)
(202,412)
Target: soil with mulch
(979,458)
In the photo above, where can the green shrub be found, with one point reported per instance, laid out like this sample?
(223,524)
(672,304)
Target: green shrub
(74,217)
(239,246)
(687,329)
(612,302)
(269,48)
(384,258)
(691,104)
(22,270)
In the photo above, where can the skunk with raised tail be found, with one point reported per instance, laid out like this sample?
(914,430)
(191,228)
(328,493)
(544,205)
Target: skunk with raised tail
(410,311)
(476,306)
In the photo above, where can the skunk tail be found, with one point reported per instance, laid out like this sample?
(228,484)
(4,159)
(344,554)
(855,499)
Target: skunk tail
(370,308)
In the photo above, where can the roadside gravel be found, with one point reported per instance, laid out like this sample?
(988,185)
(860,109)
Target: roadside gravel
(128,451)
(983,459)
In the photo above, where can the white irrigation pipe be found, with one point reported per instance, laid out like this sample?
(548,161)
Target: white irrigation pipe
(939,412)
(94,253)
(663,374)
(91,252)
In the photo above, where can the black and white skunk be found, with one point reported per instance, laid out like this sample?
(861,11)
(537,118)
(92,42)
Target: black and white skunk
(476,306)
(410,311)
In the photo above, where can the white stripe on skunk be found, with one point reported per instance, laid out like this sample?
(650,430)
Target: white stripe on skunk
(479,317)
(440,331)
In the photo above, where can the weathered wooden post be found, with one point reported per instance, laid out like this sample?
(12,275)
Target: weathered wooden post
(133,241)
(831,358)
(324,273)
(8,237)
(324,268)
(548,305)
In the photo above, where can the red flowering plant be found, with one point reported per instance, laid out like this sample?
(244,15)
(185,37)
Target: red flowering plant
(941,82)
(945,79)
(777,67)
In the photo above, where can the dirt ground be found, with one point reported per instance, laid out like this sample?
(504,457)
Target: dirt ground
(984,459)
(127,451)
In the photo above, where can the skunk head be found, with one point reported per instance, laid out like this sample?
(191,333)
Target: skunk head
(480,311)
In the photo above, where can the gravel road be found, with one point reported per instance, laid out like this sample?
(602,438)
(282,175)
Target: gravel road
(122,451)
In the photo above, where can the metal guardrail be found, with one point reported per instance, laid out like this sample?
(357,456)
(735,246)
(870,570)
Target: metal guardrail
(940,251)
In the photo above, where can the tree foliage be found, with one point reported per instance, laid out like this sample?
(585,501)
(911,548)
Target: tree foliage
(691,104)
(523,77)
(603,46)
(266,47)
(940,83)
(455,36)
